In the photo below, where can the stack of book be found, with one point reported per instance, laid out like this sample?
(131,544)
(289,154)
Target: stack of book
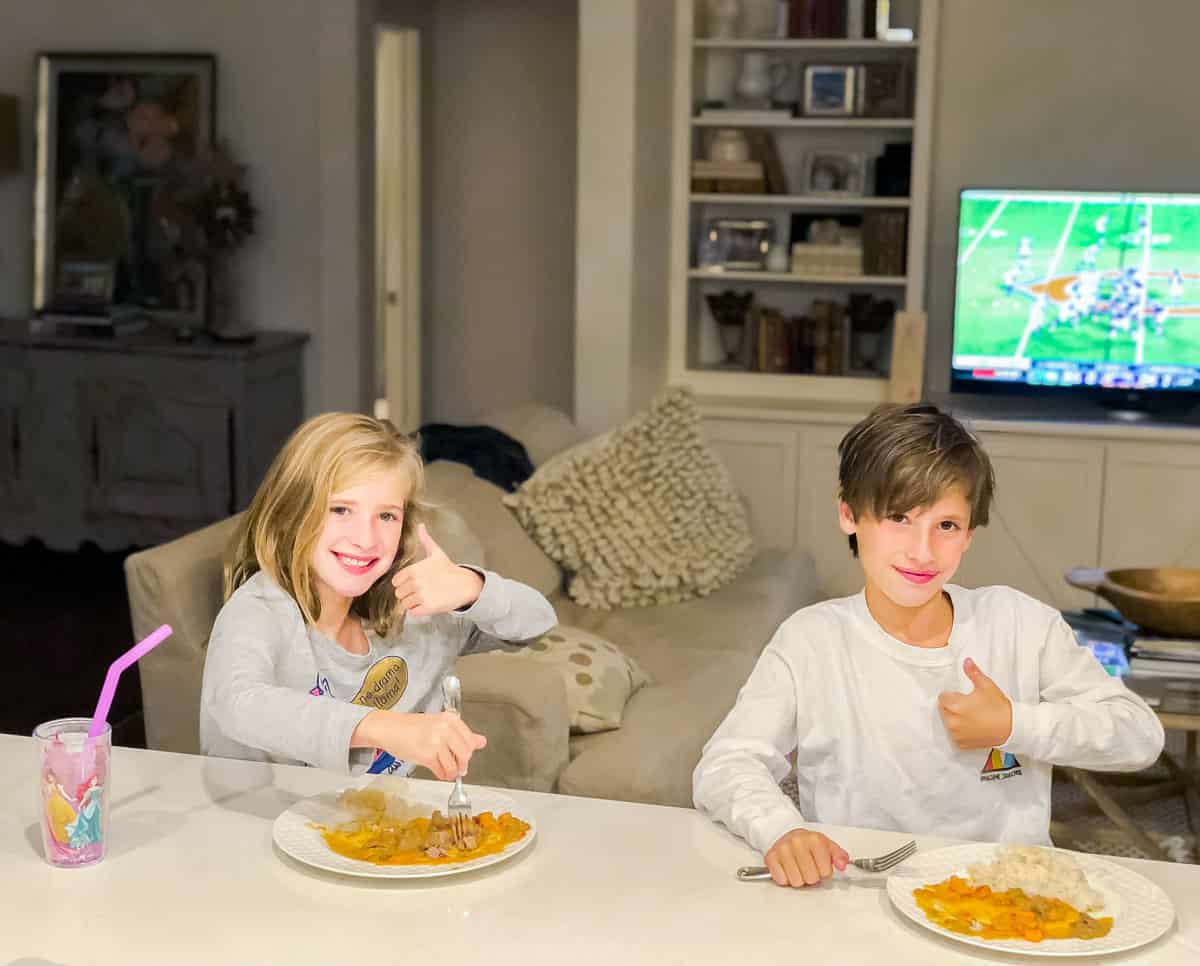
(1165,657)
(734,177)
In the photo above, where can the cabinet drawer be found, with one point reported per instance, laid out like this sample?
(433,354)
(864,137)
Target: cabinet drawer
(155,455)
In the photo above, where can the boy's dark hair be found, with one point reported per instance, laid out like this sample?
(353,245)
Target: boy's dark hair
(901,457)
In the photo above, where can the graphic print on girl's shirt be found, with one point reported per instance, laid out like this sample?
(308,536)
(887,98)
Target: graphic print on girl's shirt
(383,687)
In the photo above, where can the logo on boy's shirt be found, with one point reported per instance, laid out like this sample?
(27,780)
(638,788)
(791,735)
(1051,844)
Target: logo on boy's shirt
(384,764)
(999,765)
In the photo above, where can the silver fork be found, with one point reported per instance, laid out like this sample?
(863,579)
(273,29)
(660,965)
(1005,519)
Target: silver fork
(458,805)
(878,863)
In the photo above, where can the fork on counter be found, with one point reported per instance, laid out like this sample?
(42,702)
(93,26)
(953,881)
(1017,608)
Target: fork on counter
(878,863)
(458,805)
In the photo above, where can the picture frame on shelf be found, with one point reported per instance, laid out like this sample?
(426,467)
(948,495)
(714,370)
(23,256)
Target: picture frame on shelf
(835,174)
(115,133)
(735,245)
(885,90)
(84,285)
(829,90)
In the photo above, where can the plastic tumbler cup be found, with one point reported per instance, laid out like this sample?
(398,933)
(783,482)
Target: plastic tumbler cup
(73,805)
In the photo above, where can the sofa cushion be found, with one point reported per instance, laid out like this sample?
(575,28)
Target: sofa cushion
(741,617)
(510,552)
(598,676)
(643,515)
(450,531)
(651,757)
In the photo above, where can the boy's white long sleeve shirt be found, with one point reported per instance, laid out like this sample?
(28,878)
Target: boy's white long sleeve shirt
(860,710)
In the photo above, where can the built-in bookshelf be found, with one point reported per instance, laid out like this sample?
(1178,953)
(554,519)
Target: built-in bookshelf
(698,355)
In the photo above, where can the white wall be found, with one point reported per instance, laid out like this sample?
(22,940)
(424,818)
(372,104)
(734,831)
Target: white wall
(501,172)
(625,70)
(1063,94)
(287,101)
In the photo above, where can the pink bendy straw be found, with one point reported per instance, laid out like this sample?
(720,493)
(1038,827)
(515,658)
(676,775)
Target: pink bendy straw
(139,650)
(100,715)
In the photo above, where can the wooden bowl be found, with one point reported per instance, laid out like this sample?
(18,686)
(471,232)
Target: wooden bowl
(1163,600)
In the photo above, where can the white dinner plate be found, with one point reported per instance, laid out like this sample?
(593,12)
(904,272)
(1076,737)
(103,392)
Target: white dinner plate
(1141,911)
(295,836)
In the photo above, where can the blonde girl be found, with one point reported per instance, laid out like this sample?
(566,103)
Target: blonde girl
(342,614)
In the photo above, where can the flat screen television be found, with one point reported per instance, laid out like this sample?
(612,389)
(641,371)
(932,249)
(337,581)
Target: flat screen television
(1079,294)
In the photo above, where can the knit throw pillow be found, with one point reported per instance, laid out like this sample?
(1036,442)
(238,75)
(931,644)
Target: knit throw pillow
(643,515)
(599,676)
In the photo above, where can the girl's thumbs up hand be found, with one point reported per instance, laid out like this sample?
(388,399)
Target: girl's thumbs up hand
(435,585)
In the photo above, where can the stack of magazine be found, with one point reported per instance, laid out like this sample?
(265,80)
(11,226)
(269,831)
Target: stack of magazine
(1165,657)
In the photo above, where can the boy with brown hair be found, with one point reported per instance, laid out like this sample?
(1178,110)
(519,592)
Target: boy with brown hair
(914,705)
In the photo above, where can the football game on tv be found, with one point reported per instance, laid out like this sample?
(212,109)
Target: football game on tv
(1078,288)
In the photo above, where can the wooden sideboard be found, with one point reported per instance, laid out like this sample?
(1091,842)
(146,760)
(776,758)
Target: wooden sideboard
(134,440)
(1099,493)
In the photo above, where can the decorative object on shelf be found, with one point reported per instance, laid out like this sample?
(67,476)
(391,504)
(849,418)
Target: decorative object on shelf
(893,170)
(760,18)
(869,320)
(736,244)
(833,260)
(731,311)
(85,287)
(835,174)
(115,133)
(828,90)
(10,135)
(885,238)
(907,371)
(724,18)
(210,216)
(877,23)
(778,260)
(728,177)
(763,148)
(759,79)
(885,90)
(728,144)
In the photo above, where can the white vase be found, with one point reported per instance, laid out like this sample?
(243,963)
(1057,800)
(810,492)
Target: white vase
(728,144)
(759,78)
(760,18)
(724,18)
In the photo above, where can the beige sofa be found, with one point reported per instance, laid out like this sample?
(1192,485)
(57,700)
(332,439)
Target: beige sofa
(697,653)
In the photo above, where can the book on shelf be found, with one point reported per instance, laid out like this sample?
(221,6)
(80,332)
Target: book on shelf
(728,177)
(764,150)
(773,341)
(1165,668)
(820,18)
(885,241)
(1166,649)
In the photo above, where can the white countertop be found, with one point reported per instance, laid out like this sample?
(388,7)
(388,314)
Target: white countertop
(192,876)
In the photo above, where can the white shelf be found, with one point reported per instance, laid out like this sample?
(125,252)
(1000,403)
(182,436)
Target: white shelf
(798,201)
(823,43)
(787,385)
(865,123)
(795,279)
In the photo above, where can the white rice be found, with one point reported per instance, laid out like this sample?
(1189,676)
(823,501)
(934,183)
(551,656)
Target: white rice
(1040,872)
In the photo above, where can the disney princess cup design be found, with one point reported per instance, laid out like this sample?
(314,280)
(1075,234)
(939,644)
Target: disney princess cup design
(73,791)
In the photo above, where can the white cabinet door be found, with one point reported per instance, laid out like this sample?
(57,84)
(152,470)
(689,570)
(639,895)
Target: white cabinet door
(1151,506)
(761,458)
(1045,518)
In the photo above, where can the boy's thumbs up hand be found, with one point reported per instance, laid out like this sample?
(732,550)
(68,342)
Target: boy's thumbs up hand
(435,585)
(981,718)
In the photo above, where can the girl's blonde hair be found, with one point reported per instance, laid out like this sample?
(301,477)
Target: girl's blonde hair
(278,532)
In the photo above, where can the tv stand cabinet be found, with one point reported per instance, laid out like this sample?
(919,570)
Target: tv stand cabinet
(134,440)
(1097,493)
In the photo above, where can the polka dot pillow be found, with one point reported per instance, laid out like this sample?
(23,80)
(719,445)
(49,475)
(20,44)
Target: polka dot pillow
(599,676)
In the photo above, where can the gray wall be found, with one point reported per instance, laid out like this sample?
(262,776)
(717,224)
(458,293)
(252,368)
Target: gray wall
(1062,94)
(288,102)
(501,175)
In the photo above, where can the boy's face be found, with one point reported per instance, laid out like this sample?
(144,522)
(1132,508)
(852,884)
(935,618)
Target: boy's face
(361,536)
(910,556)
